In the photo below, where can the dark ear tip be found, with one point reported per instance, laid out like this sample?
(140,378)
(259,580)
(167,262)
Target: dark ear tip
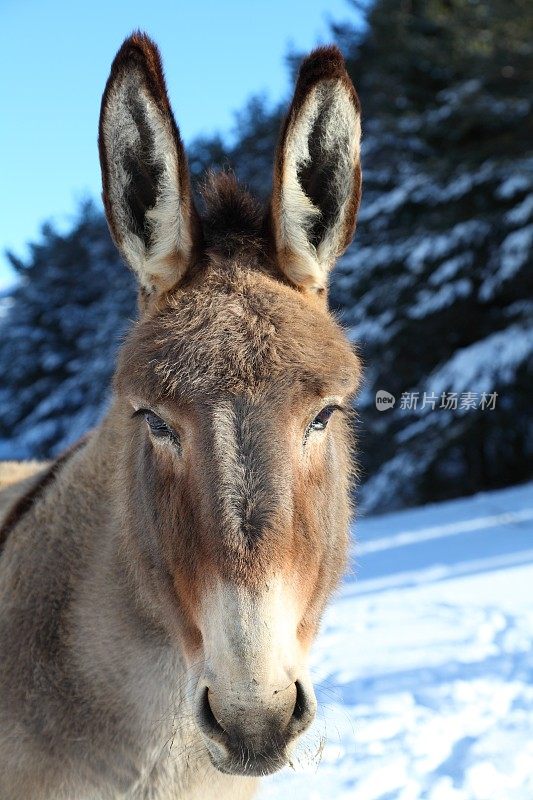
(323,63)
(140,49)
(140,55)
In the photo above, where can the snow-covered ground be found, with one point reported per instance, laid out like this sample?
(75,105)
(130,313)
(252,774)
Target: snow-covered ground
(424,668)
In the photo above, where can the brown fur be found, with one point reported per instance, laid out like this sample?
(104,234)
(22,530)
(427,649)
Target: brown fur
(233,220)
(114,553)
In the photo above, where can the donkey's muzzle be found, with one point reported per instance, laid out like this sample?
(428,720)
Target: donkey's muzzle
(252,738)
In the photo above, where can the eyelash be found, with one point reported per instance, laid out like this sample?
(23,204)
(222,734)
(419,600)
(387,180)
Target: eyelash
(158,427)
(318,424)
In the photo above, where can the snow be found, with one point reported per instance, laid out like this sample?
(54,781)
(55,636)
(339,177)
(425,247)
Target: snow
(427,301)
(431,248)
(513,185)
(388,202)
(449,269)
(520,214)
(424,665)
(515,250)
(486,363)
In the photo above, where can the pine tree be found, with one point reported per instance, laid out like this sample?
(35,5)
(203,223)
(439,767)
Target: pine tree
(59,335)
(436,287)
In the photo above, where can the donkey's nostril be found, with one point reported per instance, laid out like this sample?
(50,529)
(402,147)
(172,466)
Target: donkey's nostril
(209,722)
(299,705)
(303,712)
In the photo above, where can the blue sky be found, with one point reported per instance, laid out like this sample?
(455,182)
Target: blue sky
(56,56)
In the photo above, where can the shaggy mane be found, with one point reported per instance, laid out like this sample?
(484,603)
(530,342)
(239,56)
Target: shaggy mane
(232,218)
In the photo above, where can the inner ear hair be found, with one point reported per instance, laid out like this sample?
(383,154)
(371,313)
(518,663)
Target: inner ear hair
(317,174)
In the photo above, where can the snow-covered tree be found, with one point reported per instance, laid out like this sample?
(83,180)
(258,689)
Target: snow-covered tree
(59,334)
(436,290)
(437,287)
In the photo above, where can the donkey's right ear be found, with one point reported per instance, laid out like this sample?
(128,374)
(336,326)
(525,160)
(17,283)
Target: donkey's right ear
(317,173)
(146,185)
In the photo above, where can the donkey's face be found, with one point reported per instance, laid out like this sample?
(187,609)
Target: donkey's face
(234,387)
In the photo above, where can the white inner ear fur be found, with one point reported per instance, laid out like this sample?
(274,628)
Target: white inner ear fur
(163,262)
(340,134)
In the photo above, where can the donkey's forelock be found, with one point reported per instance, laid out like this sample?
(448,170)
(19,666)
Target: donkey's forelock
(235,331)
(235,326)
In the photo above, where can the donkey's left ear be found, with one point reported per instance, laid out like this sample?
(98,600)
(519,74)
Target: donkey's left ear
(317,173)
(146,186)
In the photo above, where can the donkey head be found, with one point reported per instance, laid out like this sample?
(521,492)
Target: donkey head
(232,391)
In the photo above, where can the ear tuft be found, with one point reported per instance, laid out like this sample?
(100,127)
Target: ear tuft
(317,173)
(146,187)
(232,220)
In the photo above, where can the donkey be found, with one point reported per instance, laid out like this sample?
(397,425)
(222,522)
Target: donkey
(161,583)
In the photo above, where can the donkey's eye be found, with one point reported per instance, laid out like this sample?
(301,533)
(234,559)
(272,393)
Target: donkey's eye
(158,427)
(321,420)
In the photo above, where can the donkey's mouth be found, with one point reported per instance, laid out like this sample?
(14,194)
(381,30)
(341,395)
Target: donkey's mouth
(254,738)
(249,763)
